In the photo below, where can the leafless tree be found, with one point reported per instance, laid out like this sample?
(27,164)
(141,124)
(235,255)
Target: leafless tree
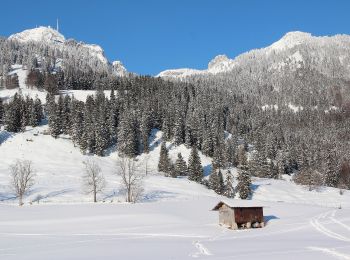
(22,178)
(128,170)
(93,180)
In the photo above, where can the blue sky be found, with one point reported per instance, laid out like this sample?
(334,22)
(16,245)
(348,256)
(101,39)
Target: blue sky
(153,35)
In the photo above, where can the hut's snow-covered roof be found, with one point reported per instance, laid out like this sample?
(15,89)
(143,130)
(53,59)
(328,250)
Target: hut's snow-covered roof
(238,204)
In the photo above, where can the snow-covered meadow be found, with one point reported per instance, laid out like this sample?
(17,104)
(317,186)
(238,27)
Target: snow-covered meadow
(173,220)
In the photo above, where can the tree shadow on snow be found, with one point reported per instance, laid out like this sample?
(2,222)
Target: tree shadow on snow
(157,195)
(7,196)
(52,194)
(4,135)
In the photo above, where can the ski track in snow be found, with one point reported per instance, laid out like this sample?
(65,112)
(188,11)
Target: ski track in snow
(202,250)
(316,223)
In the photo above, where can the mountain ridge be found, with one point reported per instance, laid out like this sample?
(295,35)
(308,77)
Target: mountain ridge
(52,37)
(290,41)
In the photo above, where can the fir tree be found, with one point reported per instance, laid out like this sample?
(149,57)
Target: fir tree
(1,111)
(178,129)
(55,122)
(164,163)
(228,189)
(180,166)
(195,170)
(101,133)
(216,181)
(127,143)
(66,115)
(244,182)
(331,171)
(13,115)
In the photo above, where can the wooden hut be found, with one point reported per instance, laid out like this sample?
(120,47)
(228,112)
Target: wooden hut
(240,216)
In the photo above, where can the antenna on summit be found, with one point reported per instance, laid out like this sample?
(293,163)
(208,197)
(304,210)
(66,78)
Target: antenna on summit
(57,25)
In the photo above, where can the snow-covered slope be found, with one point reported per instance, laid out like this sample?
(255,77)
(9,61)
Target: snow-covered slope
(59,167)
(293,49)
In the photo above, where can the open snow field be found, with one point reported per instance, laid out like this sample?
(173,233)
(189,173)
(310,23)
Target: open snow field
(173,221)
(169,230)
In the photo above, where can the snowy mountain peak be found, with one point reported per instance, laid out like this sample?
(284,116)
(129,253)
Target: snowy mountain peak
(119,69)
(39,34)
(291,39)
(220,63)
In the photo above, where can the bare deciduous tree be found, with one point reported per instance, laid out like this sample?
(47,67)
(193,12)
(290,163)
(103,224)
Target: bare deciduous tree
(131,178)
(93,180)
(22,178)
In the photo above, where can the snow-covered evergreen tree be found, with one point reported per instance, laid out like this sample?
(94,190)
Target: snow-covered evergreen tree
(164,164)
(331,170)
(244,182)
(181,166)
(229,190)
(195,169)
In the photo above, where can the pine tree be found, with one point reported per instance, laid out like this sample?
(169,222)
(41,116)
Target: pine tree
(1,111)
(101,133)
(164,164)
(127,143)
(38,110)
(331,171)
(228,189)
(195,170)
(13,115)
(218,160)
(78,124)
(178,129)
(66,115)
(33,121)
(145,130)
(207,146)
(244,182)
(113,117)
(216,181)
(180,166)
(55,122)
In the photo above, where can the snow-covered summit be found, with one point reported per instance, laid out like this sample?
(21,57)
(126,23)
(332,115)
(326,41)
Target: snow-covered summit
(118,69)
(52,37)
(39,34)
(291,39)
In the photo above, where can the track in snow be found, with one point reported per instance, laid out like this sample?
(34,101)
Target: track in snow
(202,250)
(329,215)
